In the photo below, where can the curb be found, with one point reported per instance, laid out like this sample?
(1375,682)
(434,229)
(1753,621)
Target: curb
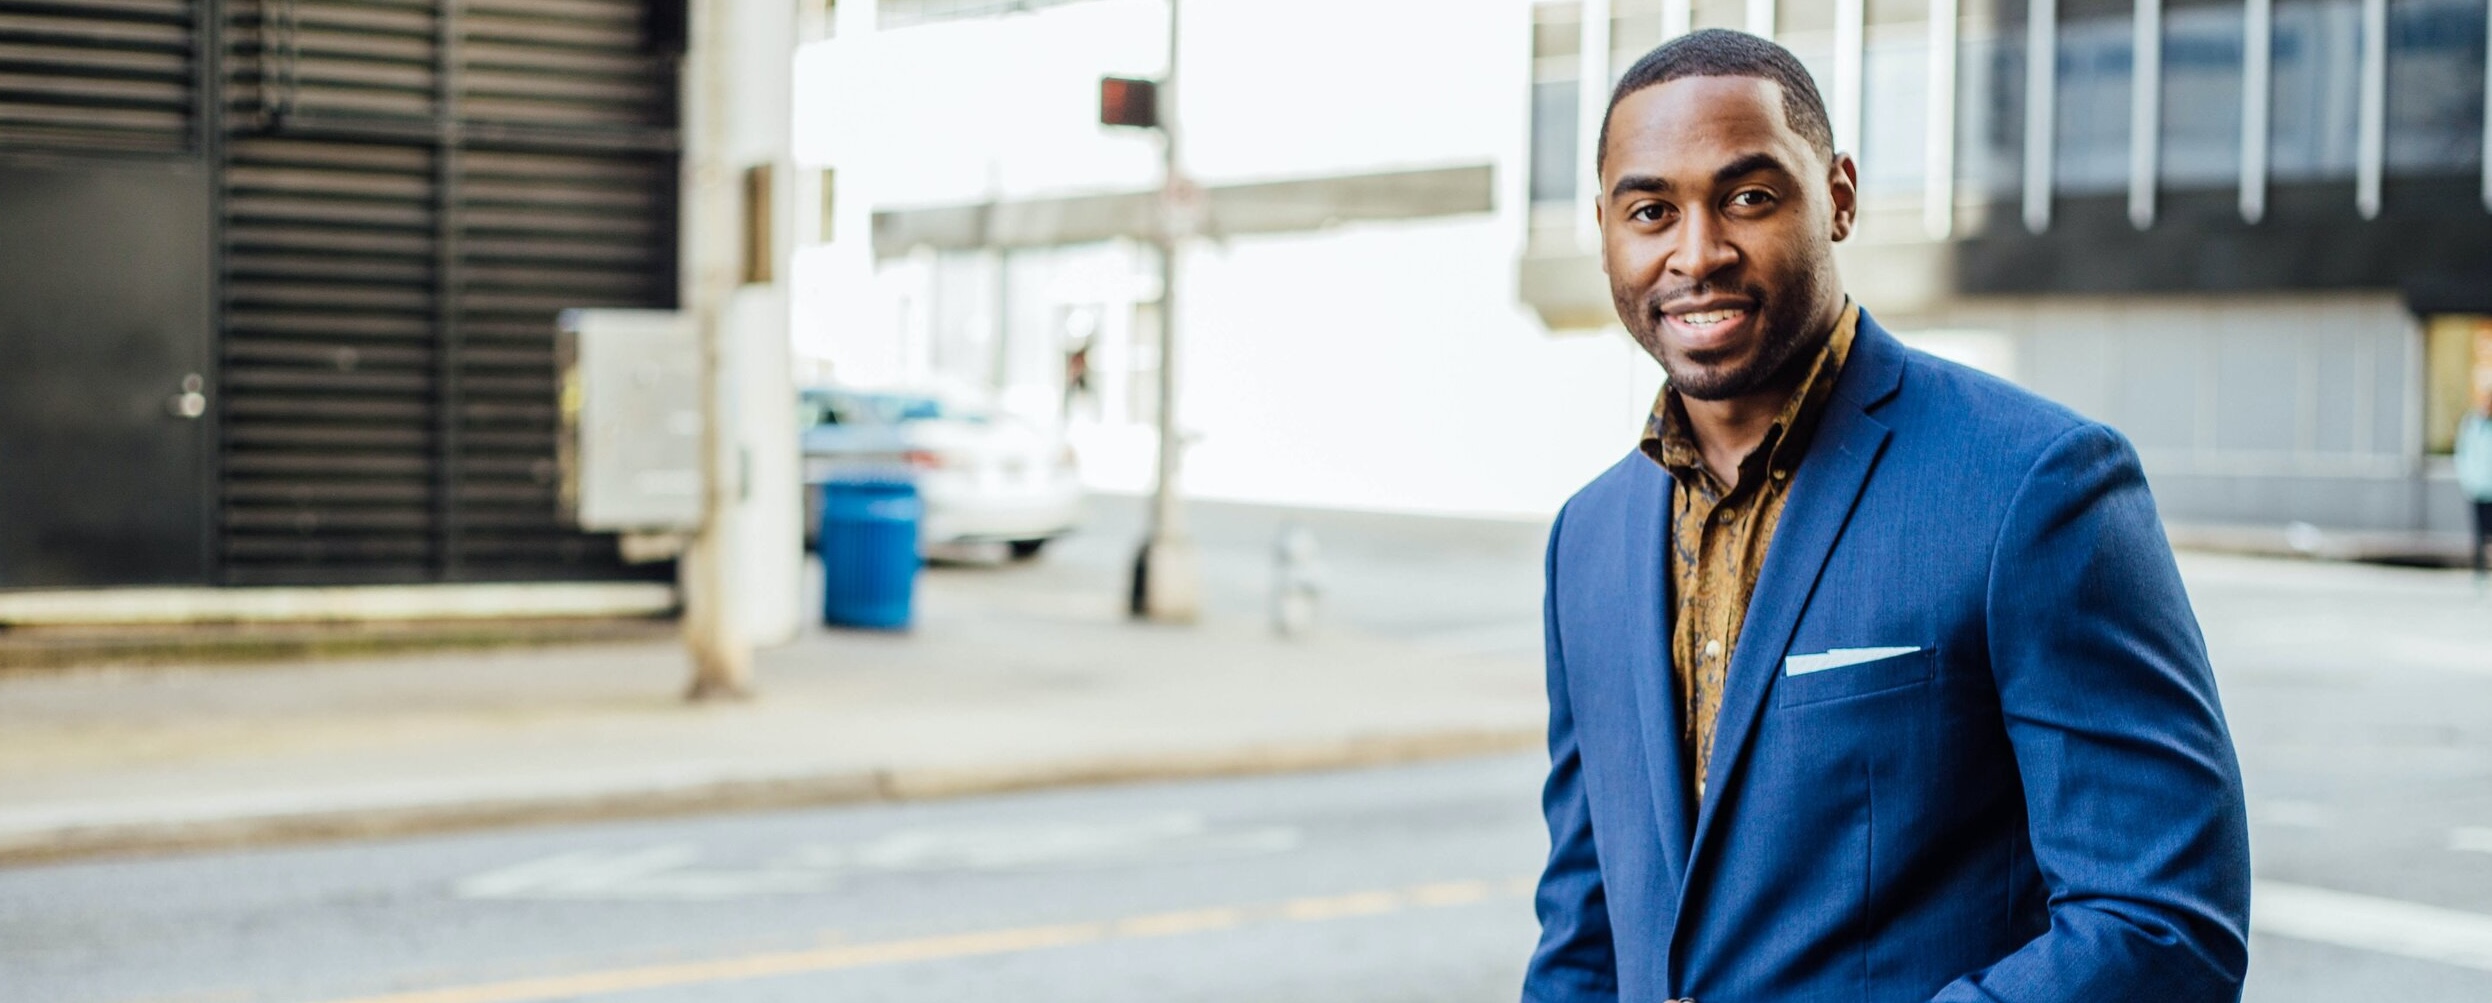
(889,784)
(40,650)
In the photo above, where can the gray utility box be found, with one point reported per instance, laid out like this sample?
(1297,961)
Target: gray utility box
(631,420)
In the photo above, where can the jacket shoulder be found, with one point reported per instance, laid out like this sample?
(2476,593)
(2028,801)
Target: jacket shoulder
(1635,480)
(1978,416)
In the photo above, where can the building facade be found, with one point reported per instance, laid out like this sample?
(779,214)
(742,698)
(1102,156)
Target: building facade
(278,280)
(2256,237)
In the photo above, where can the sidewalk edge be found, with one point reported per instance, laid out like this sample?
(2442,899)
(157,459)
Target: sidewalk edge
(76,842)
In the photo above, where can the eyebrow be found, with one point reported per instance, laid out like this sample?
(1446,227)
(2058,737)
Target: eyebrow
(1736,169)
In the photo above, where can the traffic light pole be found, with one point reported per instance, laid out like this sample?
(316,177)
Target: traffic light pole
(1167,575)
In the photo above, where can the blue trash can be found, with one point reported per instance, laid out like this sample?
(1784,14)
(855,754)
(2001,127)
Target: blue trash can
(869,551)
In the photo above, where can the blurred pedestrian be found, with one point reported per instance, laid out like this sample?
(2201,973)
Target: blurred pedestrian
(2474,475)
(1870,676)
(1076,374)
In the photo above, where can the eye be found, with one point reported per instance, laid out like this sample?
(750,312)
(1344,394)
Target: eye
(1649,212)
(1751,198)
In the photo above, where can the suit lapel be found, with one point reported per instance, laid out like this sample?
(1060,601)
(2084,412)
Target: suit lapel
(1656,697)
(1823,492)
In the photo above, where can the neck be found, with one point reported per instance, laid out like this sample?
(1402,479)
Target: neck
(1727,430)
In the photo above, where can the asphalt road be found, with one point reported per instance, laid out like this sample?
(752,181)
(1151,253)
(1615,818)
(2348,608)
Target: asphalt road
(2361,699)
(1407,884)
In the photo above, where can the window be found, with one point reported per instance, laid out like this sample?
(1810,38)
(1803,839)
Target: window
(2318,85)
(1557,43)
(2096,68)
(2435,86)
(2200,139)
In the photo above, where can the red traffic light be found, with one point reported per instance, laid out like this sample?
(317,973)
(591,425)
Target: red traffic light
(1129,102)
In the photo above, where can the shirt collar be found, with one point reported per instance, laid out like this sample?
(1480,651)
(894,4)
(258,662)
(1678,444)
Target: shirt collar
(1671,442)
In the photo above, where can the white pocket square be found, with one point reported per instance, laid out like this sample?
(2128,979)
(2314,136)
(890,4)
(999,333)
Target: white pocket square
(1801,665)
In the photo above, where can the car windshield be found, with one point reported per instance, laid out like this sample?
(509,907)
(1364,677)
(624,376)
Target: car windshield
(818,408)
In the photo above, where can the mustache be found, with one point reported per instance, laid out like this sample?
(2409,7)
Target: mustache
(1664,296)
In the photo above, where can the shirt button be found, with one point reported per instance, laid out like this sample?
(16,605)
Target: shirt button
(1781,474)
(1713,649)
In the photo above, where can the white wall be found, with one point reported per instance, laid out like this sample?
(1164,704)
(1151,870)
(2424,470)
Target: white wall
(1384,366)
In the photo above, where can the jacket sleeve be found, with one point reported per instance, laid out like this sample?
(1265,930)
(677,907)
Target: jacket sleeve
(1575,962)
(2131,786)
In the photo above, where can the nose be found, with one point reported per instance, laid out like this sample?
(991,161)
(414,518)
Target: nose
(1702,249)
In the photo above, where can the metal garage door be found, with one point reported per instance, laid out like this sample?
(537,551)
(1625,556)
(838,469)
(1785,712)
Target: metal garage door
(412,191)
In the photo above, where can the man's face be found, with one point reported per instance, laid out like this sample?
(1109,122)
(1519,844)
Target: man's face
(1718,224)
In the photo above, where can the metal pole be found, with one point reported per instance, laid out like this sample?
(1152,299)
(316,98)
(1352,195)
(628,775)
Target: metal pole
(1166,585)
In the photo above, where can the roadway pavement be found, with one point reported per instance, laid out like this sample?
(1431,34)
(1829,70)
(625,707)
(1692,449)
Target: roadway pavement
(2361,698)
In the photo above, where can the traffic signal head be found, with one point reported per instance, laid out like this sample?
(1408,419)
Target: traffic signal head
(1129,101)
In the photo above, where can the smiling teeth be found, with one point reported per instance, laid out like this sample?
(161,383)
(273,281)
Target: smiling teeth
(1704,317)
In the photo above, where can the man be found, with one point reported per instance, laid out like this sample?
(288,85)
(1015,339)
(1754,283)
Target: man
(2474,474)
(1870,677)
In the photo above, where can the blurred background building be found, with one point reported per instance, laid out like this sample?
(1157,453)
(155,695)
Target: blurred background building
(280,279)
(2254,236)
(278,288)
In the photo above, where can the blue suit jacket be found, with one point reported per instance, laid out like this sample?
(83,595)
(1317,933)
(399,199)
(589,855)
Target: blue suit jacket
(2039,801)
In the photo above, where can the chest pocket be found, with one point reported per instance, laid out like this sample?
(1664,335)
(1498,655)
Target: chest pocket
(1876,675)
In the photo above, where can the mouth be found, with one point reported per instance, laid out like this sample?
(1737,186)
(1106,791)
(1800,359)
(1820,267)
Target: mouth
(1708,327)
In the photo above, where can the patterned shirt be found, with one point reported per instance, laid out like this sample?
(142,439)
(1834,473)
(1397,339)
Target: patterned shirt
(1718,536)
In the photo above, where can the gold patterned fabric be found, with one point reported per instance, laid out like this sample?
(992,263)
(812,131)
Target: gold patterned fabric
(1719,535)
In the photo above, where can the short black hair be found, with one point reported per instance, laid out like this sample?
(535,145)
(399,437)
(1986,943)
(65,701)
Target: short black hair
(1721,52)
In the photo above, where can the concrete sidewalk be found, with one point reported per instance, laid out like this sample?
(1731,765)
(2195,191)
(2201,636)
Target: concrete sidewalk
(997,688)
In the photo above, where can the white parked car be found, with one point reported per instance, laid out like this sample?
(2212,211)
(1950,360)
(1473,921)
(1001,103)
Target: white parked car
(986,477)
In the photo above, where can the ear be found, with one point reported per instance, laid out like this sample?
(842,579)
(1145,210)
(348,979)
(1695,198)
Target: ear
(1600,225)
(1843,183)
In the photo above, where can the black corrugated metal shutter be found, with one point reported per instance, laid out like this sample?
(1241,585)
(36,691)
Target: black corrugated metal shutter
(396,252)
(97,75)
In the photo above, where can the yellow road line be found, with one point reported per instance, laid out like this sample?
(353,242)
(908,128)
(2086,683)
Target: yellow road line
(960,945)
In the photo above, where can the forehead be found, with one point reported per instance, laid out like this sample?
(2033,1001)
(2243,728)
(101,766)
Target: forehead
(1698,123)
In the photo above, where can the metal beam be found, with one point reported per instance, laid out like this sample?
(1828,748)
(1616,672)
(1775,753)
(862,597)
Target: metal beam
(2145,110)
(2041,85)
(1938,149)
(2258,50)
(2371,142)
(1850,45)
(1269,207)
(1592,107)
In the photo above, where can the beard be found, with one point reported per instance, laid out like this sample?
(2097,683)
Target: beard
(1786,334)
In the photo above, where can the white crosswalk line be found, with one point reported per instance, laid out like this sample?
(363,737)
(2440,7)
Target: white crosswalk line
(2388,926)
